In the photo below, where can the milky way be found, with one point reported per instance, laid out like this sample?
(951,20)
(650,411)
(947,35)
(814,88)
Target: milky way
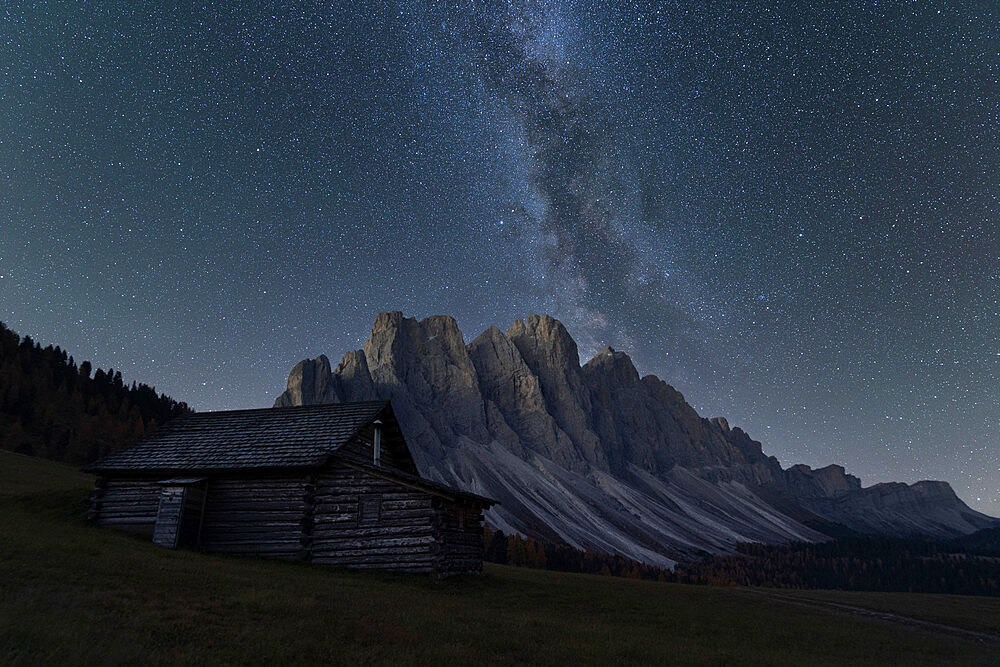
(576,193)
(786,211)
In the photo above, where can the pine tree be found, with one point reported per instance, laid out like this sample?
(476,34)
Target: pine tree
(50,407)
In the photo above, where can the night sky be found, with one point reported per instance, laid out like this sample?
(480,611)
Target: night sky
(789,213)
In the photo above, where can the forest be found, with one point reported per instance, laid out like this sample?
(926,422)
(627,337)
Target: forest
(968,565)
(53,408)
(964,565)
(526,552)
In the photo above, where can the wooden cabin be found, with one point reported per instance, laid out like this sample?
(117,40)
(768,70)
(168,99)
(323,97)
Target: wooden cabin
(326,483)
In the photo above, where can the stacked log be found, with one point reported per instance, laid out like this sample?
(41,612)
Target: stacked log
(127,504)
(460,531)
(403,537)
(255,516)
(342,516)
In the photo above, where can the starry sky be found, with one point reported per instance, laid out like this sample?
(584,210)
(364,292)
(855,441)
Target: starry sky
(786,210)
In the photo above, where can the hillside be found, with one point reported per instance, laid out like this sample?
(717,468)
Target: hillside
(52,408)
(73,594)
(597,457)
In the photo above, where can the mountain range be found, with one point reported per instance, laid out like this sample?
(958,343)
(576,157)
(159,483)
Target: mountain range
(597,457)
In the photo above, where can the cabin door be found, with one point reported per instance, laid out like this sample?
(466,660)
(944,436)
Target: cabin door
(178,519)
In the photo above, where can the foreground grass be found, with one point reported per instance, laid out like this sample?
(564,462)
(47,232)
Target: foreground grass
(71,593)
(979,614)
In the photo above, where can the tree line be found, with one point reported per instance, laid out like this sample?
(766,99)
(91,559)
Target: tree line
(964,565)
(525,552)
(53,408)
(968,565)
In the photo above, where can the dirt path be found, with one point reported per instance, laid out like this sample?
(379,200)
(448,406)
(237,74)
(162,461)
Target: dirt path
(838,608)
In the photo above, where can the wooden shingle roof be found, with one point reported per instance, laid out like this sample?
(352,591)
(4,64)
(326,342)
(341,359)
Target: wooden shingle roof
(239,439)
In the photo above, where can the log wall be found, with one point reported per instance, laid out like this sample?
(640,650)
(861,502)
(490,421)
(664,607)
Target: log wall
(262,516)
(401,537)
(460,531)
(128,504)
(340,516)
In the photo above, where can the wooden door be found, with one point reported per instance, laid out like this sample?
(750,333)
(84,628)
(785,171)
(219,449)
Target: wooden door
(178,519)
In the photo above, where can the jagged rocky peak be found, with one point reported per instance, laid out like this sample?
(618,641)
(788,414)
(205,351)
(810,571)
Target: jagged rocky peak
(310,382)
(544,341)
(424,365)
(353,379)
(502,372)
(612,366)
(827,482)
(389,320)
(396,320)
(429,354)
(594,455)
(550,353)
(513,396)
(495,357)
(394,336)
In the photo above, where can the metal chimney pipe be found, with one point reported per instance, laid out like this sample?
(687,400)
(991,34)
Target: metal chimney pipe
(377,443)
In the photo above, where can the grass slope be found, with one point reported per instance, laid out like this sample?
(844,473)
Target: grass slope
(71,593)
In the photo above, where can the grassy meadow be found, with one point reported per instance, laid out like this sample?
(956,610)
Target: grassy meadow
(71,593)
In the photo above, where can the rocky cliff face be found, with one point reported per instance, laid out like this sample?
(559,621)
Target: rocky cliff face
(595,455)
(890,508)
